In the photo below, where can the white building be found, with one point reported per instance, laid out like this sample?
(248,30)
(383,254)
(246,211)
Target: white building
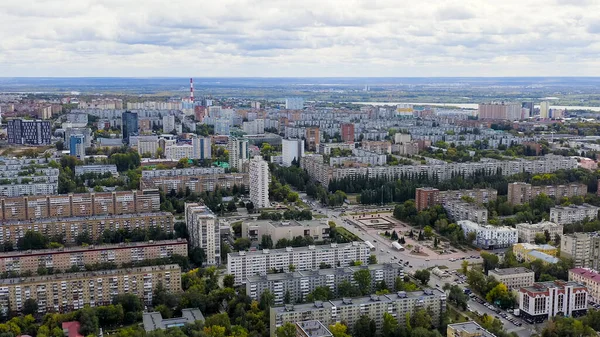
(203,228)
(545,300)
(255,127)
(573,213)
(98,169)
(259,182)
(168,123)
(294,103)
(490,237)
(199,149)
(527,231)
(238,153)
(292,149)
(244,264)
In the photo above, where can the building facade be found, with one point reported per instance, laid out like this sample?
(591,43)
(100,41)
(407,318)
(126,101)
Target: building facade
(545,300)
(285,229)
(62,259)
(467,329)
(259,182)
(347,132)
(72,291)
(589,278)
(490,237)
(519,192)
(238,153)
(28,132)
(197,183)
(426,197)
(244,264)
(569,214)
(500,111)
(129,124)
(350,310)
(528,231)
(97,169)
(292,149)
(514,278)
(204,232)
(297,285)
(583,248)
(77,146)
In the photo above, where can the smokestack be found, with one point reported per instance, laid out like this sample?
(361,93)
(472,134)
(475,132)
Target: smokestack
(191,89)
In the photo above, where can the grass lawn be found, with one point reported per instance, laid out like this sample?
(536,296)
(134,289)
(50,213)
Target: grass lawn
(347,234)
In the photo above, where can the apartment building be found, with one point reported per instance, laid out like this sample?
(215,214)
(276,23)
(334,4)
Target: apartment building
(520,192)
(313,138)
(97,169)
(77,146)
(238,154)
(490,237)
(583,248)
(30,188)
(500,111)
(589,278)
(61,259)
(299,284)
(462,210)
(426,197)
(325,148)
(28,132)
(69,228)
(349,310)
(79,205)
(191,171)
(544,300)
(528,231)
(198,148)
(379,147)
(523,251)
(203,229)
(286,229)
(573,213)
(243,264)
(259,182)
(467,329)
(198,184)
(292,149)
(72,291)
(514,278)
(479,196)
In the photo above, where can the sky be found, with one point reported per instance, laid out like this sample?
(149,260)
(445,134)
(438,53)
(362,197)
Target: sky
(299,38)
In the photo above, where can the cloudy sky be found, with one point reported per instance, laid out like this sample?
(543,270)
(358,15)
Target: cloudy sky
(299,38)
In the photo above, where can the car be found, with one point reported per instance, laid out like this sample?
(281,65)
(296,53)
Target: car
(427,260)
(381,250)
(410,266)
(437,285)
(388,251)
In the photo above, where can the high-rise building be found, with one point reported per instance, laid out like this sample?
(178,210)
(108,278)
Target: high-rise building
(28,132)
(259,182)
(582,248)
(294,103)
(129,125)
(500,111)
(313,138)
(520,192)
(545,109)
(573,213)
(77,146)
(203,229)
(168,123)
(529,107)
(348,132)
(292,149)
(426,197)
(238,153)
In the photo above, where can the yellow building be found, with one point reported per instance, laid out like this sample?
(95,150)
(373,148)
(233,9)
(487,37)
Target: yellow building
(522,251)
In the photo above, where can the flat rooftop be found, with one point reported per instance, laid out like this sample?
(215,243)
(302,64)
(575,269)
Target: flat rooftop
(328,247)
(91,217)
(511,271)
(314,328)
(471,329)
(319,272)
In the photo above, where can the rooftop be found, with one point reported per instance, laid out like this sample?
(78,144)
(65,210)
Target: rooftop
(543,256)
(314,328)
(87,274)
(288,223)
(583,206)
(154,321)
(110,217)
(71,329)
(544,286)
(531,246)
(587,273)
(511,271)
(471,329)
(539,225)
(332,246)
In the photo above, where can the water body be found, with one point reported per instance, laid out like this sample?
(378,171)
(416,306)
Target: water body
(474,106)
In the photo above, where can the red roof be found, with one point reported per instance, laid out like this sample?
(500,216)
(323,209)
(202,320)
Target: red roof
(72,328)
(588,274)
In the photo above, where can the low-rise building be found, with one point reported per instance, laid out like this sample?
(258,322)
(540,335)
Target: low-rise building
(153,320)
(490,237)
(528,231)
(62,259)
(297,285)
(545,258)
(589,278)
(285,229)
(544,300)
(573,213)
(522,250)
(97,169)
(350,310)
(244,264)
(462,210)
(312,328)
(514,278)
(467,329)
(72,291)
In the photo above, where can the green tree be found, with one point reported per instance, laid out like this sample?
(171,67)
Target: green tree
(320,294)
(373,259)
(346,289)
(286,330)
(228,281)
(421,319)
(364,327)
(241,244)
(540,239)
(390,325)
(266,242)
(339,330)
(32,240)
(490,261)
(30,307)
(423,276)
(363,281)
(464,266)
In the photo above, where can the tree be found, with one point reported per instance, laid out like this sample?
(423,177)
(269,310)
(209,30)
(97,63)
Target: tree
(241,244)
(501,296)
(458,297)
(373,259)
(363,281)
(267,299)
(89,323)
(423,276)
(339,330)
(286,330)
(390,325)
(266,242)
(421,319)
(540,239)
(228,281)
(231,206)
(428,231)
(490,261)
(464,266)
(30,306)
(364,327)
(346,289)
(32,240)
(319,294)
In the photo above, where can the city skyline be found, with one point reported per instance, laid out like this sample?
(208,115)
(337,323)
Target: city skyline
(325,39)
